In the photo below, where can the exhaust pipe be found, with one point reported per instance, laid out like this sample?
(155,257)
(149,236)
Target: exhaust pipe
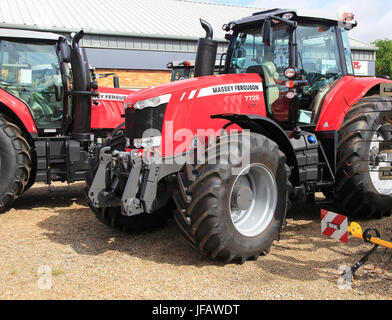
(81,91)
(206,52)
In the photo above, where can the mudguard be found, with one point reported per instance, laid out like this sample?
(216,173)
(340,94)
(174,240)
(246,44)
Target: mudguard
(11,105)
(343,96)
(268,128)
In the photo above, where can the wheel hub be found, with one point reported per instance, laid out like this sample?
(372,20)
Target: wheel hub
(253,200)
(242,197)
(377,160)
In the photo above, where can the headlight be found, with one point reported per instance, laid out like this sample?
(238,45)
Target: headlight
(152,102)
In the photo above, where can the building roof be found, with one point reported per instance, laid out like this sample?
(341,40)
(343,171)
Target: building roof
(361,45)
(174,19)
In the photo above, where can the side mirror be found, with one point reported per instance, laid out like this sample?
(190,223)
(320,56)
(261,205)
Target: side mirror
(59,93)
(267,32)
(65,50)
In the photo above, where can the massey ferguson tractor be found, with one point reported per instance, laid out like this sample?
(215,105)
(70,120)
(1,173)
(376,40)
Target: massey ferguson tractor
(47,120)
(286,119)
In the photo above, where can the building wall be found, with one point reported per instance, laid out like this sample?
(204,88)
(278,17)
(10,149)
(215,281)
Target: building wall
(364,62)
(135,79)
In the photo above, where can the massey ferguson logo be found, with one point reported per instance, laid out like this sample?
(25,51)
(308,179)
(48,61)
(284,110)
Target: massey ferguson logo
(236,88)
(231,88)
(357,65)
(112,96)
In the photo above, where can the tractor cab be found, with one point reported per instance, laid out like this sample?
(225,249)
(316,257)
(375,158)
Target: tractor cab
(299,56)
(30,71)
(43,70)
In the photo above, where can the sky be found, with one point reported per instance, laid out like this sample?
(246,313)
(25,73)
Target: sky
(374,16)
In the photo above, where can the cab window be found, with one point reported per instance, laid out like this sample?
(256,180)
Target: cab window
(31,72)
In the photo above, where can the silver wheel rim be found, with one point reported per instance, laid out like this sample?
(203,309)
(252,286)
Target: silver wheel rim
(383,187)
(253,200)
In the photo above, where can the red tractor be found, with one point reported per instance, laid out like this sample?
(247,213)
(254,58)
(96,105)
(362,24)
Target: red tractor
(286,119)
(47,120)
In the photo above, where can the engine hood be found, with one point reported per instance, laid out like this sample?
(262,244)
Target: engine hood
(190,85)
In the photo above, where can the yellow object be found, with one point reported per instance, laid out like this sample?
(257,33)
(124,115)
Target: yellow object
(356,231)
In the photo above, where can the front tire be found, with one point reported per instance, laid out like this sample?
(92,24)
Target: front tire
(358,189)
(234,216)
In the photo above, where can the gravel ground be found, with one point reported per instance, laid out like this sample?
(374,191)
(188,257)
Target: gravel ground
(52,247)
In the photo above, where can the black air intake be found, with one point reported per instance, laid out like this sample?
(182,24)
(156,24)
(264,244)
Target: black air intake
(81,91)
(206,52)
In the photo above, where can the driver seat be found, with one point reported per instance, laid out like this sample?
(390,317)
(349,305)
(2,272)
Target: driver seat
(270,75)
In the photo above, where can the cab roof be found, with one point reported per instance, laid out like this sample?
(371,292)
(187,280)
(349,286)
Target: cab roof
(26,34)
(300,14)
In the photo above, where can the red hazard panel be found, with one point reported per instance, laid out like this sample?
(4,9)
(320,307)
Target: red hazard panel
(334,225)
(107,114)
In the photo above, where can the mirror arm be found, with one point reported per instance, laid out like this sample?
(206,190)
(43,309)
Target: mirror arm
(292,24)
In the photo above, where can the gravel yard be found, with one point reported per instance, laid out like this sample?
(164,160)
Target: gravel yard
(52,247)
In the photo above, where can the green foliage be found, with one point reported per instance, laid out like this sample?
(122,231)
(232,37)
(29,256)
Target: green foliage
(384,58)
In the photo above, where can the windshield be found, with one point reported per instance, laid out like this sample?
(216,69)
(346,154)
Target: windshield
(318,62)
(30,72)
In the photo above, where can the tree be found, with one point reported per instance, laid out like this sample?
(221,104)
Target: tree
(384,58)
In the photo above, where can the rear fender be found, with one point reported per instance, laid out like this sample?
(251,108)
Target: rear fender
(270,129)
(15,109)
(344,95)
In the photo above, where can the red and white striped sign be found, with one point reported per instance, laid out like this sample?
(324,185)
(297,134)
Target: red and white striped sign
(334,225)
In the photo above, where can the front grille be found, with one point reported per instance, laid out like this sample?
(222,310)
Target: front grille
(137,122)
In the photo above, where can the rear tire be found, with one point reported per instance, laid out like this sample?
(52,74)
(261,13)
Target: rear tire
(15,163)
(357,189)
(213,217)
(112,216)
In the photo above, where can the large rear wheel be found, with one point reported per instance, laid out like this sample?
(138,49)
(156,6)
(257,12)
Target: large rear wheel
(359,189)
(15,163)
(234,212)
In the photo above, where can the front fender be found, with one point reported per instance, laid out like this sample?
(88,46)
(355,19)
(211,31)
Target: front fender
(271,130)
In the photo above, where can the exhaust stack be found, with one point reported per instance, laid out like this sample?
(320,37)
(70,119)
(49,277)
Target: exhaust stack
(206,52)
(81,91)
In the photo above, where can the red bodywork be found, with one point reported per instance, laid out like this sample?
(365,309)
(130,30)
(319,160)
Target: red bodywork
(19,109)
(346,93)
(190,109)
(106,115)
(193,101)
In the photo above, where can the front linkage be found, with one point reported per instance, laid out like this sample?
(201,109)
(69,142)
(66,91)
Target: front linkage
(141,175)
